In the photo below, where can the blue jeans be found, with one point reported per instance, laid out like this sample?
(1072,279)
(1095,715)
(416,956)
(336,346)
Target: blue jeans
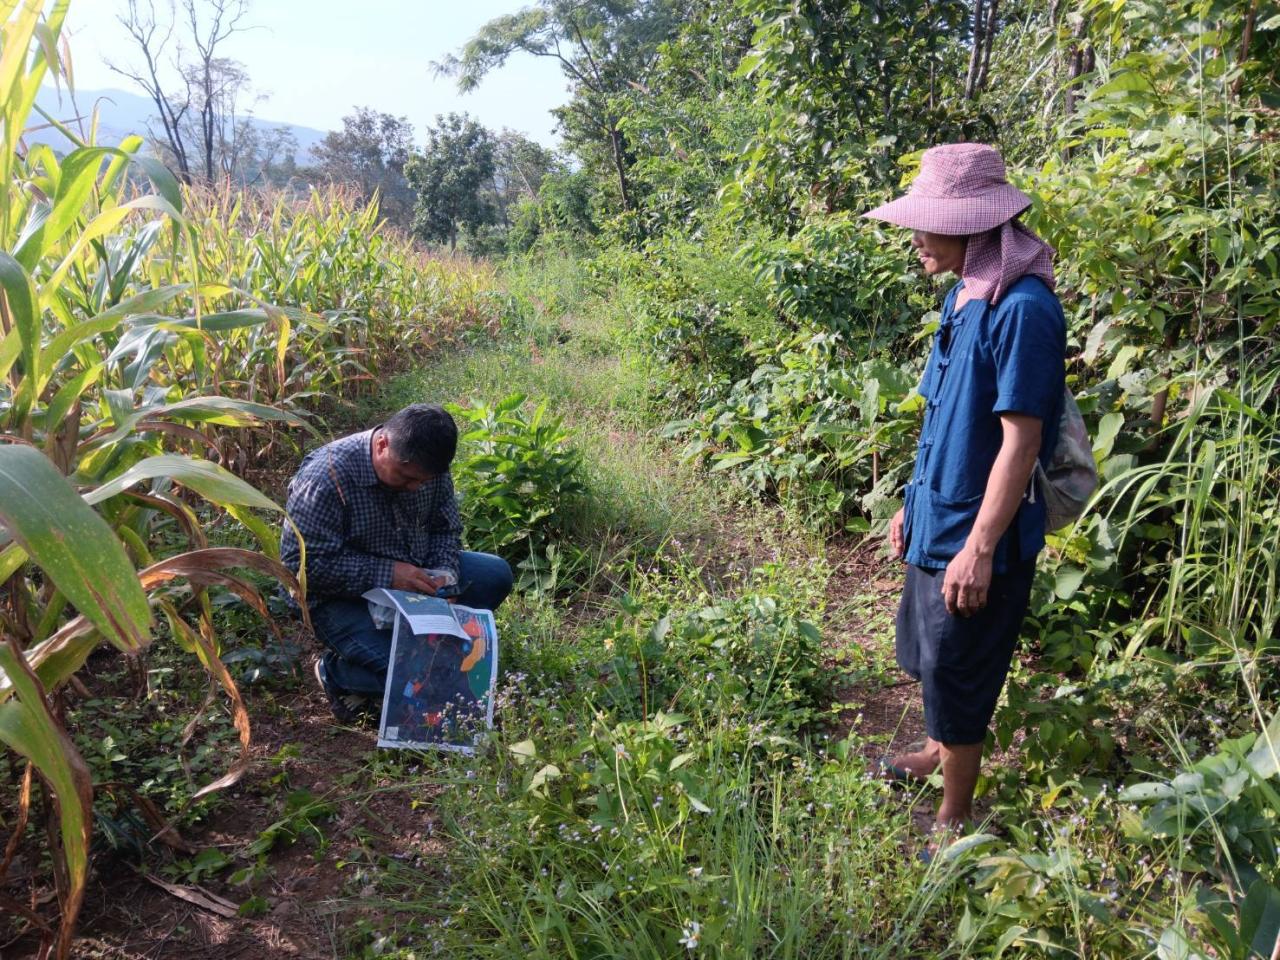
(358,652)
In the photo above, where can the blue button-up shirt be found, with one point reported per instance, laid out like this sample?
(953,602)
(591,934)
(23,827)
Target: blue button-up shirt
(355,528)
(985,361)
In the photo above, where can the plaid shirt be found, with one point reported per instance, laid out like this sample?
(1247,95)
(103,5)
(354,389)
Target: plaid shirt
(355,528)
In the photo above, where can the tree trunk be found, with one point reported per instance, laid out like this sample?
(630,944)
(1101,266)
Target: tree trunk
(206,125)
(618,148)
(933,69)
(1244,58)
(988,41)
(975,55)
(1080,62)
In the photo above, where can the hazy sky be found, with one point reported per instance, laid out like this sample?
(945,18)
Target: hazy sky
(317,59)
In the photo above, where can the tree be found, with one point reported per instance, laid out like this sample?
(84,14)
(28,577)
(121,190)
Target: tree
(449,177)
(214,80)
(563,206)
(849,87)
(985,25)
(370,152)
(219,120)
(520,164)
(605,48)
(266,155)
(197,107)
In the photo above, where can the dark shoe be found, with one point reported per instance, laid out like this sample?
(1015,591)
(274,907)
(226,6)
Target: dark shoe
(346,707)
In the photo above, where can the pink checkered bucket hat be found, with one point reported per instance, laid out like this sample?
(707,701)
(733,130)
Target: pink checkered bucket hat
(961,190)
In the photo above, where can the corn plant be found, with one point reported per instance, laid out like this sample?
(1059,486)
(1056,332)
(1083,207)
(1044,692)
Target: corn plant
(101,393)
(359,295)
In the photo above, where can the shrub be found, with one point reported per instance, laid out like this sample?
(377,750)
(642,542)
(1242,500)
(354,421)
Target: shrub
(514,473)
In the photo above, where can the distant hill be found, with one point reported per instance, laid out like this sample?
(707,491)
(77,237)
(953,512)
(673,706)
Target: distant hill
(122,113)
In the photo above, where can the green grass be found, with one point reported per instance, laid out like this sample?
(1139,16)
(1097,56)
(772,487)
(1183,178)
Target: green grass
(561,344)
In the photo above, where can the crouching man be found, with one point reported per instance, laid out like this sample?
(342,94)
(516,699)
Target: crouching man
(377,509)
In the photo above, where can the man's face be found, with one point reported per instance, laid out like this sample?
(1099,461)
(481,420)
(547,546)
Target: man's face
(938,252)
(397,474)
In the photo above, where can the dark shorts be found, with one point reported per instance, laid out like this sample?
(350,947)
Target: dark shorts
(961,662)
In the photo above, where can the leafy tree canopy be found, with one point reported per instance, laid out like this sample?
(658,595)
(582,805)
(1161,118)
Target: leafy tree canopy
(449,176)
(370,151)
(606,49)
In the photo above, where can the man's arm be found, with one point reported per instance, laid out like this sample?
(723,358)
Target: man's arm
(444,531)
(968,577)
(332,567)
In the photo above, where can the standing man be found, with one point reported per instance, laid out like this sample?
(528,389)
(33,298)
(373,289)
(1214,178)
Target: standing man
(969,528)
(377,509)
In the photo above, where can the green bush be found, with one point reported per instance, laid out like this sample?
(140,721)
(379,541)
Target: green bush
(814,428)
(755,659)
(514,473)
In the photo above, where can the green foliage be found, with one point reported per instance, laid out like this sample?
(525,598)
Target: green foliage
(456,162)
(605,49)
(562,208)
(514,473)
(369,153)
(783,335)
(687,126)
(760,659)
(665,807)
(777,346)
(807,427)
(755,659)
(842,107)
(521,166)
(699,306)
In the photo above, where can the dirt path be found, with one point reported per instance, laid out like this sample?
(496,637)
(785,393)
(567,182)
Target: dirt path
(310,887)
(883,707)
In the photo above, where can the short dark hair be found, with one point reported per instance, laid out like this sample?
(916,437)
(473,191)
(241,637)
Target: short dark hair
(423,434)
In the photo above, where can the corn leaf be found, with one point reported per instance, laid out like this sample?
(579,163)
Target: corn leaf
(211,481)
(28,727)
(20,297)
(73,545)
(78,176)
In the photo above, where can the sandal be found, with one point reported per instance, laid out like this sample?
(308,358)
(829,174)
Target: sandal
(888,770)
(942,838)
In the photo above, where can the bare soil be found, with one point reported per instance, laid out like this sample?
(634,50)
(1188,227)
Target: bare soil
(884,710)
(311,898)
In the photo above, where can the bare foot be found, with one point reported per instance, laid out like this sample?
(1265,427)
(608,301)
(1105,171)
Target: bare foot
(943,834)
(921,764)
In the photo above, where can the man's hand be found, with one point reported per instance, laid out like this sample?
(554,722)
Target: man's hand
(405,576)
(965,586)
(896,540)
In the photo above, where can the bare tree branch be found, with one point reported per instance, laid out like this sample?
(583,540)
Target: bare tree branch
(144,27)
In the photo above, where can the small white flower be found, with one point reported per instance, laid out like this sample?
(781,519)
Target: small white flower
(692,933)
